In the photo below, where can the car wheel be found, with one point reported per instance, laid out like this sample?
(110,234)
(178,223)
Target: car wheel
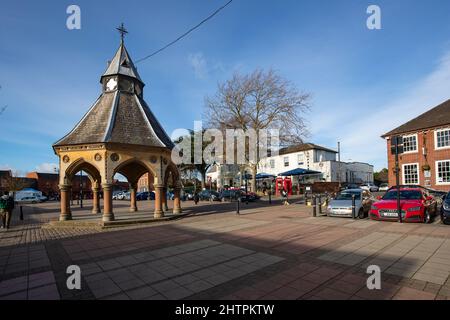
(361,214)
(427,217)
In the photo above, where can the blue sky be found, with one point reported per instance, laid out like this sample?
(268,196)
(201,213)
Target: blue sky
(363,82)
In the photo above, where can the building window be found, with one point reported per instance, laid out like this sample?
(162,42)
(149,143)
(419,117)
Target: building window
(286,161)
(410,143)
(411,173)
(300,159)
(443,172)
(442,139)
(272,164)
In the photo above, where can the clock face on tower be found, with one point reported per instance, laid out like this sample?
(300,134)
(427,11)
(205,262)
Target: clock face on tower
(111,84)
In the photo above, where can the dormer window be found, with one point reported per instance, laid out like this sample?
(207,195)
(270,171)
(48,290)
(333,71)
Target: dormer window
(125,64)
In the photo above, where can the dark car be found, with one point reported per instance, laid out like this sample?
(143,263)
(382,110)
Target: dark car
(445,210)
(209,195)
(249,196)
(140,196)
(230,195)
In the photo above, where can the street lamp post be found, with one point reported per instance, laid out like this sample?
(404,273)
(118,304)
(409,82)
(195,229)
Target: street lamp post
(81,189)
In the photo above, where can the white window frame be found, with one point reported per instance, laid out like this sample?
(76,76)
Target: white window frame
(436,139)
(288,161)
(437,173)
(418,172)
(272,161)
(417,142)
(300,159)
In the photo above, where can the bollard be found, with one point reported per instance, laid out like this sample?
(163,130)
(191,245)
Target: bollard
(21,213)
(314,206)
(237,206)
(353,207)
(320,203)
(270,197)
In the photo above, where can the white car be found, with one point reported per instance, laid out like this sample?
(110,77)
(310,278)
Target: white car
(369,187)
(383,187)
(29,200)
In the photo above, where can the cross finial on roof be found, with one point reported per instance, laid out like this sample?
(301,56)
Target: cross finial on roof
(122,31)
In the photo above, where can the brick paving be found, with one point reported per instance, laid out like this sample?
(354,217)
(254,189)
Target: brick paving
(267,252)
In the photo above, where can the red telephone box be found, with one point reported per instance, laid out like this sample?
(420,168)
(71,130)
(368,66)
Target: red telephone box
(278,185)
(288,185)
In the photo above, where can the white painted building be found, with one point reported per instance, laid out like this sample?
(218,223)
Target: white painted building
(317,158)
(306,156)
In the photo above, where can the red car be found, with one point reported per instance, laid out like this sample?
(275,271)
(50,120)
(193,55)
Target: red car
(416,206)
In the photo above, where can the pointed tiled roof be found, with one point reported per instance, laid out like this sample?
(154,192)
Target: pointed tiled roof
(119,116)
(122,64)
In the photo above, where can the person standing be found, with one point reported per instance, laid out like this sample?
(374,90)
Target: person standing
(3,209)
(9,209)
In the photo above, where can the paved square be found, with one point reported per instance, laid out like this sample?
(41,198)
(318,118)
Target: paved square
(266,252)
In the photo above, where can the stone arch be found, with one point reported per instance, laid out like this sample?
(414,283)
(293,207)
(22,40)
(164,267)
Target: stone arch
(94,175)
(82,165)
(133,169)
(172,176)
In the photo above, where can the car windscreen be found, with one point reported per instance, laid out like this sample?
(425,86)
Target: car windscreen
(348,195)
(404,195)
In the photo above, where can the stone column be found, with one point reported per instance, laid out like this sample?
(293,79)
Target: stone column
(108,214)
(133,204)
(164,200)
(177,201)
(65,214)
(95,200)
(158,202)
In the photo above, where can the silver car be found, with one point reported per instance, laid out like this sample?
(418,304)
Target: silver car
(341,206)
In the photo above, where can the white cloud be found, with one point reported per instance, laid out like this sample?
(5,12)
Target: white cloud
(360,135)
(198,63)
(47,168)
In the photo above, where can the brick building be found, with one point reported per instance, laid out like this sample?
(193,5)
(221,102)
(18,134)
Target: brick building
(426,157)
(5,176)
(47,183)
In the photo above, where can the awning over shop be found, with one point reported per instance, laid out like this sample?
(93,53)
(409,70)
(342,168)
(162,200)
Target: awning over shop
(261,176)
(299,172)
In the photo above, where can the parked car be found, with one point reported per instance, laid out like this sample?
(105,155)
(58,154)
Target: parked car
(209,195)
(445,210)
(126,196)
(189,196)
(141,196)
(43,198)
(383,187)
(26,200)
(369,187)
(117,195)
(351,186)
(341,205)
(230,195)
(170,195)
(249,196)
(416,205)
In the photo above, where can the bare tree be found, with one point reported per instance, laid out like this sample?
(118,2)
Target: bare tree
(261,100)
(201,168)
(13,182)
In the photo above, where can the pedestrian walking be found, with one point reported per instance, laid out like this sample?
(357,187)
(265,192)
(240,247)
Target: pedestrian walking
(284,194)
(196,198)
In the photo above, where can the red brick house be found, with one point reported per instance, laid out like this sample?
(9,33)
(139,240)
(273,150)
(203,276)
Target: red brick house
(426,157)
